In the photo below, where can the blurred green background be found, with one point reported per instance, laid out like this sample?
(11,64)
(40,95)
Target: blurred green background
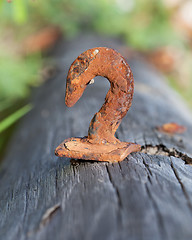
(159,31)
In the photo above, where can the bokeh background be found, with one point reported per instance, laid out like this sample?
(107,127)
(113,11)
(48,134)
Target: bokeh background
(158,31)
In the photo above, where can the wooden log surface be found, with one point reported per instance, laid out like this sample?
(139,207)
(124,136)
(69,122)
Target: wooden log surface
(148,196)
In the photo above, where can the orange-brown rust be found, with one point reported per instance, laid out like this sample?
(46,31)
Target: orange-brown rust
(100,144)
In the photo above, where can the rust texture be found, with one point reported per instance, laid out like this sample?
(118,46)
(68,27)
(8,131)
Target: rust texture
(100,144)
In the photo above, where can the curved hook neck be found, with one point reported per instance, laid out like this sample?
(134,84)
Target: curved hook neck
(105,122)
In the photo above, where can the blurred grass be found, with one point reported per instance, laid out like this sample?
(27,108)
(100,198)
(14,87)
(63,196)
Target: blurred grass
(144,25)
(8,121)
(17,75)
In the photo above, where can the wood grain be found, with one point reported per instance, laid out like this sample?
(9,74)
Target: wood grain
(148,196)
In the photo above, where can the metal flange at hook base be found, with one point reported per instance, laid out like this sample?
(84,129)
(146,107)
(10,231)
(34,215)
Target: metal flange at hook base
(81,148)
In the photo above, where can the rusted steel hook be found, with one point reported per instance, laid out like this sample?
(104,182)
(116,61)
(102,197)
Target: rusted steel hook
(100,144)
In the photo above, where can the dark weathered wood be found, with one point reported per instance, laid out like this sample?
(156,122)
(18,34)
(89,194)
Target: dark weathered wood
(145,197)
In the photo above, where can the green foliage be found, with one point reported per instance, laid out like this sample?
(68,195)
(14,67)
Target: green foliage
(144,24)
(13,11)
(20,11)
(5,104)
(7,122)
(16,75)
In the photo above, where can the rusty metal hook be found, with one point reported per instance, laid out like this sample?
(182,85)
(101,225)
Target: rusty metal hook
(100,144)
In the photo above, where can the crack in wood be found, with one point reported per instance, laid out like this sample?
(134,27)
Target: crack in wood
(158,214)
(182,185)
(162,150)
(148,170)
(160,219)
(116,190)
(114,187)
(49,214)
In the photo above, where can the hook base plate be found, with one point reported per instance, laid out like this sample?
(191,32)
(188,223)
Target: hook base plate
(81,148)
